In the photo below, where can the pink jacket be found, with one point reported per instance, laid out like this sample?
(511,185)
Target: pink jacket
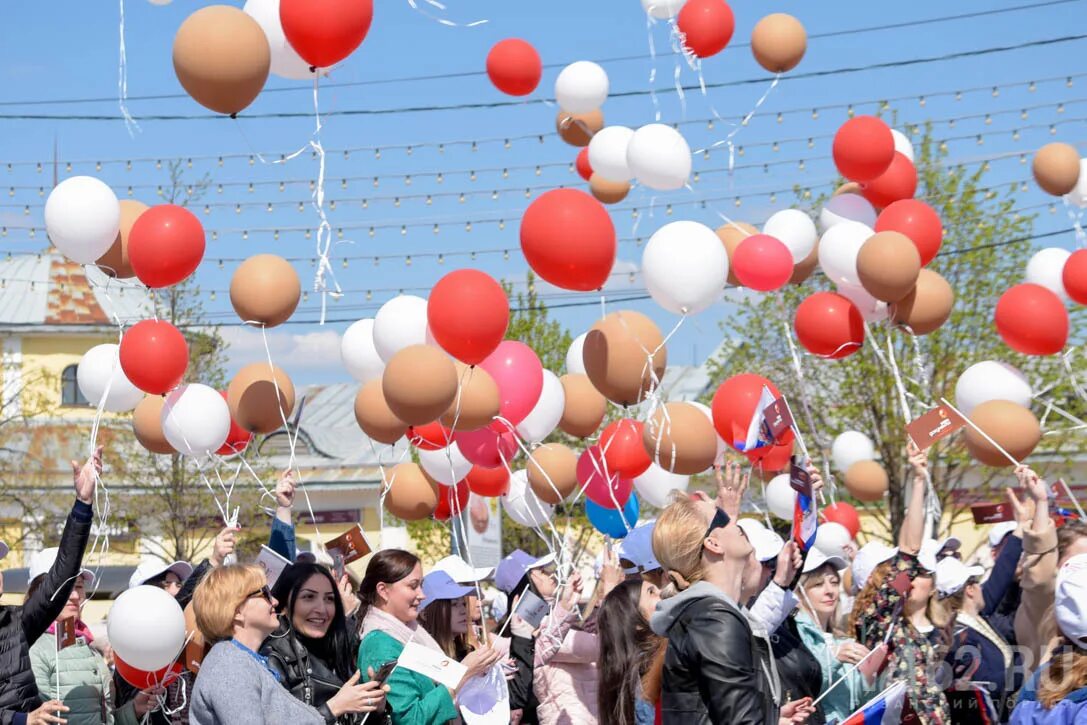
(564,674)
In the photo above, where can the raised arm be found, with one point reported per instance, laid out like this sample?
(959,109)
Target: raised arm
(912,533)
(282,539)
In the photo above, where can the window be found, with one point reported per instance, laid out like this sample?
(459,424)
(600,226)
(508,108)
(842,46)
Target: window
(69,388)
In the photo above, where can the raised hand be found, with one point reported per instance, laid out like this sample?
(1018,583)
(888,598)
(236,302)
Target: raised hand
(224,544)
(85,477)
(731,484)
(285,490)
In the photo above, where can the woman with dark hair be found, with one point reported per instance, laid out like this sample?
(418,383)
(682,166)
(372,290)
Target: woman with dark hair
(444,613)
(627,649)
(391,593)
(312,649)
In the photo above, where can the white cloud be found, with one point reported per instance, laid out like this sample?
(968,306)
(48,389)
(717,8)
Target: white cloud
(307,351)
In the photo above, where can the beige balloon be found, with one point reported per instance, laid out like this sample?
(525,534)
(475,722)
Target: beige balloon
(420,383)
(411,496)
(849,187)
(265,289)
(1011,425)
(928,306)
(867,481)
(1056,168)
(222,58)
(552,472)
(115,261)
(607,191)
(585,407)
(617,356)
(260,397)
(476,403)
(888,265)
(779,42)
(804,268)
(147,425)
(375,417)
(731,235)
(578,129)
(681,439)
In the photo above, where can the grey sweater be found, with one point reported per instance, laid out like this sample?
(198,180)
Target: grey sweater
(232,688)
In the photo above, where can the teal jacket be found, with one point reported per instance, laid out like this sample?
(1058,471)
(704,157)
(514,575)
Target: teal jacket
(85,683)
(848,696)
(412,698)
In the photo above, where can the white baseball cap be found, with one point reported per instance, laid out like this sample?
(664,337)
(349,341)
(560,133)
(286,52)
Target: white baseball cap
(927,556)
(952,575)
(817,558)
(766,542)
(867,559)
(43,561)
(151,568)
(637,548)
(459,570)
(1071,599)
(1001,530)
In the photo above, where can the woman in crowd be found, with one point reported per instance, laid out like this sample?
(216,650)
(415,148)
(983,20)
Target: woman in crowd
(894,605)
(236,612)
(444,613)
(391,593)
(21,627)
(715,670)
(627,649)
(85,685)
(564,675)
(312,649)
(1057,693)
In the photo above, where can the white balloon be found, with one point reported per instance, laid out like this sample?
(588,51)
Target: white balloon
(547,412)
(1078,196)
(831,538)
(399,323)
(522,505)
(195,421)
(846,208)
(100,367)
(447,466)
(903,145)
(655,485)
(685,267)
(146,628)
(780,497)
(286,63)
(658,157)
(1046,268)
(575,360)
(795,230)
(608,152)
(991,380)
(838,250)
(663,9)
(581,87)
(82,218)
(721,445)
(871,309)
(358,352)
(850,447)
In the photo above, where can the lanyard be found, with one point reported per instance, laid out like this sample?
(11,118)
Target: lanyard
(261,659)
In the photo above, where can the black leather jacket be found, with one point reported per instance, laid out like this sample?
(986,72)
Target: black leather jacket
(308,677)
(715,670)
(800,672)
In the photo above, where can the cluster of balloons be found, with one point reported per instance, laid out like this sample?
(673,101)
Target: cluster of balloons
(854,454)
(147,632)
(996,397)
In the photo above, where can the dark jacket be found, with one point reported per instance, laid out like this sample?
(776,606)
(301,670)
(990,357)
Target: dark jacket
(522,694)
(1000,610)
(21,626)
(715,669)
(801,674)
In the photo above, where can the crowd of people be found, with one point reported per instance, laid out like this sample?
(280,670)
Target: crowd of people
(698,617)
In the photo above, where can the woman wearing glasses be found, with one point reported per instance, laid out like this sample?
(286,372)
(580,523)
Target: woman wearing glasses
(235,610)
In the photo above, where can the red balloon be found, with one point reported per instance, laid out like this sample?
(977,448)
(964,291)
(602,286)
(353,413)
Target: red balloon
(603,486)
(451,500)
(707,26)
(568,239)
(584,169)
(898,182)
(514,67)
(1032,320)
(154,356)
(623,449)
(142,680)
(488,481)
(733,407)
(829,325)
(165,245)
(324,32)
(863,148)
(773,459)
(844,514)
(762,263)
(1075,276)
(488,446)
(431,436)
(237,440)
(468,314)
(918,221)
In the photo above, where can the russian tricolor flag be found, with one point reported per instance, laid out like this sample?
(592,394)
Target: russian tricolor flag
(885,708)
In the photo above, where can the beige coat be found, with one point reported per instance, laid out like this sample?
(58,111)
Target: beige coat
(1035,623)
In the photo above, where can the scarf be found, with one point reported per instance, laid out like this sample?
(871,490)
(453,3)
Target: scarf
(982,627)
(81,630)
(377,620)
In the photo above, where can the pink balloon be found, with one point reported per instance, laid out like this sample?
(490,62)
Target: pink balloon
(603,486)
(488,446)
(762,263)
(519,375)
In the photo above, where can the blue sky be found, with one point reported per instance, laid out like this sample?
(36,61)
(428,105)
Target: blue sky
(69,50)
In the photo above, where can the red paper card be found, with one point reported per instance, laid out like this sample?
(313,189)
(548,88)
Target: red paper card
(940,422)
(351,545)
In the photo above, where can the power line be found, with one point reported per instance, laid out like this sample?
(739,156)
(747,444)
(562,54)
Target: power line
(505,104)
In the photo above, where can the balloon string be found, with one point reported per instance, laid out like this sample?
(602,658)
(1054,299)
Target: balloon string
(324,229)
(122,77)
(1076,217)
(649,23)
(443,21)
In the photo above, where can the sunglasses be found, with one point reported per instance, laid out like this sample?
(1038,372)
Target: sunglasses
(720,521)
(264,592)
